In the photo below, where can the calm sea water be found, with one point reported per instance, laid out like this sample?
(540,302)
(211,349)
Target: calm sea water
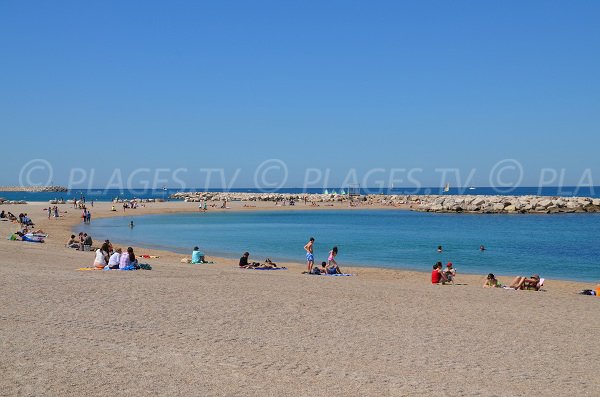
(110,194)
(560,246)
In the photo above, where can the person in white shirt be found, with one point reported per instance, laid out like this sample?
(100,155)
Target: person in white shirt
(113,262)
(101,259)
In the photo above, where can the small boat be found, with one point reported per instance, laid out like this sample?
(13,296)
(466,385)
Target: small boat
(471,188)
(326,191)
(342,192)
(447,188)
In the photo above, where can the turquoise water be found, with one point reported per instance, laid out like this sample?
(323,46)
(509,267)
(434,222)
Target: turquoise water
(561,246)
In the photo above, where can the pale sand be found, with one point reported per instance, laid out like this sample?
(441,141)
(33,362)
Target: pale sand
(205,330)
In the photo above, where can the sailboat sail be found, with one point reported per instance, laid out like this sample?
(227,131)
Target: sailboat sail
(447,188)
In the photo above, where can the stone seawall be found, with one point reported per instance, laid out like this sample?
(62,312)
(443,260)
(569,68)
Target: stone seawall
(33,189)
(425,203)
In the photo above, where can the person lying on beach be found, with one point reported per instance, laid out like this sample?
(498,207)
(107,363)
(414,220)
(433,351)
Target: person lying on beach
(197,256)
(269,264)
(532,283)
(102,256)
(244,261)
(491,282)
(115,259)
(437,275)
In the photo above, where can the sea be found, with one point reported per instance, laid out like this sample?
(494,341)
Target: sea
(111,194)
(562,246)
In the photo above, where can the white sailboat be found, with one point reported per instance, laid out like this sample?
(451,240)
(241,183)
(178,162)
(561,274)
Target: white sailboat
(447,188)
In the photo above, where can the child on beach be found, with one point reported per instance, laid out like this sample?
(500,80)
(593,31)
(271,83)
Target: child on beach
(450,272)
(332,266)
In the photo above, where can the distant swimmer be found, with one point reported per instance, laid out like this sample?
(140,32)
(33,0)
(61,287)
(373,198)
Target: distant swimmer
(481,248)
(131,224)
(439,248)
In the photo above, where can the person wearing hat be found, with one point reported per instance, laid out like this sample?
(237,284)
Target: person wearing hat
(197,256)
(450,272)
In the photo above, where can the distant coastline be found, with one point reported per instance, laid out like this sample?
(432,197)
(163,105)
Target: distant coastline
(33,189)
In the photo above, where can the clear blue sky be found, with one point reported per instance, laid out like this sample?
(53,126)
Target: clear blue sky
(318,84)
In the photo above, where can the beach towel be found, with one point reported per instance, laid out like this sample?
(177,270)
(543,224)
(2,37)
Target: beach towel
(149,256)
(264,268)
(203,263)
(338,275)
(89,268)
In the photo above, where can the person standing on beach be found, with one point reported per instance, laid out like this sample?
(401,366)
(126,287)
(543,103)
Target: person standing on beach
(310,258)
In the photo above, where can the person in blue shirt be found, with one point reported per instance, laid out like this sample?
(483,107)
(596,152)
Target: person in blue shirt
(197,256)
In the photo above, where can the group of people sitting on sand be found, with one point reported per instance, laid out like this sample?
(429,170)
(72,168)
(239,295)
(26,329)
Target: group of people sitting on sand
(107,258)
(439,275)
(83,242)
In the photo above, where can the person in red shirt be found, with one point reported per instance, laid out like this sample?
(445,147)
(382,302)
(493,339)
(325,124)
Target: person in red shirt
(437,276)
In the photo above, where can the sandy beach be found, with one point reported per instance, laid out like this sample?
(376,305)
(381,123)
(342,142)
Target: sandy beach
(215,330)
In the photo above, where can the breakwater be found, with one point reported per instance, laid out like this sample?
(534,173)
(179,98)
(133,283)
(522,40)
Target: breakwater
(425,203)
(33,189)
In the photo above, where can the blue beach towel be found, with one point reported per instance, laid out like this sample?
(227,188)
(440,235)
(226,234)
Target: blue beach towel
(338,275)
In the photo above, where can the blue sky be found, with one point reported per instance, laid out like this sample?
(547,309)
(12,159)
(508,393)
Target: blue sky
(338,85)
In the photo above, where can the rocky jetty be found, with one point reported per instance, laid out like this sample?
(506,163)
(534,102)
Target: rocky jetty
(33,189)
(425,203)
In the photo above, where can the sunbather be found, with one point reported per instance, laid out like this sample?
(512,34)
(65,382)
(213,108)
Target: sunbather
(332,266)
(532,283)
(491,282)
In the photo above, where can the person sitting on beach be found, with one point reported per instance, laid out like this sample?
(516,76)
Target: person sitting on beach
(197,256)
(244,261)
(87,240)
(491,282)
(102,256)
(532,283)
(321,270)
(450,272)
(127,260)
(2,215)
(73,242)
(113,208)
(11,216)
(115,259)
(437,275)
(332,266)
